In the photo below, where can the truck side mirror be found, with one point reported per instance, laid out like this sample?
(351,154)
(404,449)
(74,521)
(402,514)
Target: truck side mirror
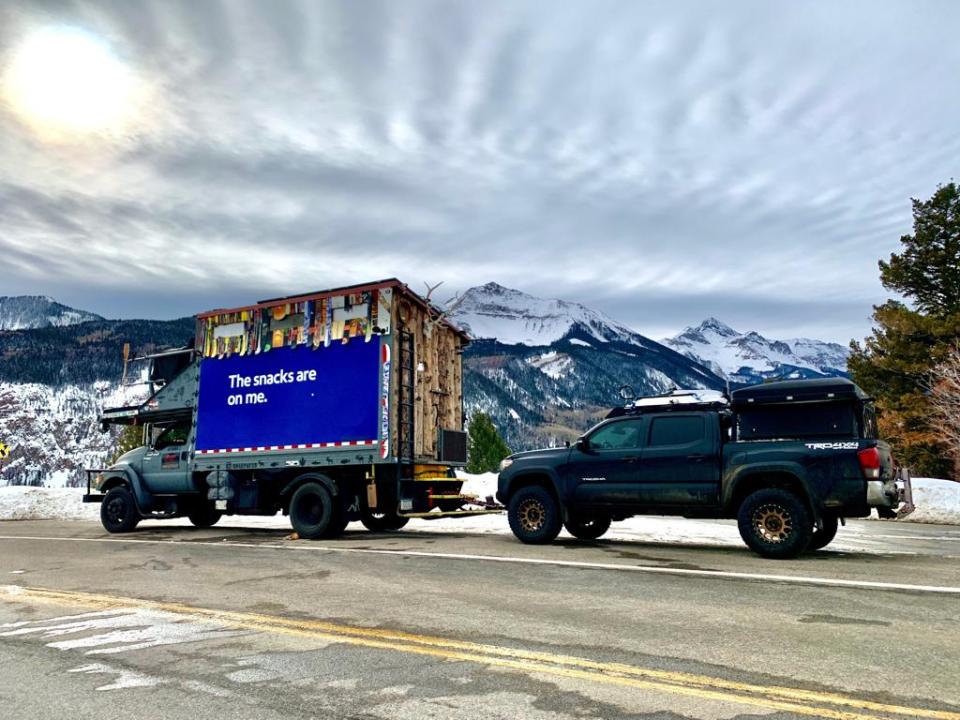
(583,444)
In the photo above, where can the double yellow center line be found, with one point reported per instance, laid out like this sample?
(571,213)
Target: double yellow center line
(802,702)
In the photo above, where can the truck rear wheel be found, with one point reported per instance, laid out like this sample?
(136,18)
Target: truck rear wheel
(118,512)
(313,512)
(775,523)
(382,522)
(589,528)
(824,536)
(534,515)
(203,515)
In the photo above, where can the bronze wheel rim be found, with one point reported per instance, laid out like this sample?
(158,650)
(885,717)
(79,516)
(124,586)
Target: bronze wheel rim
(773,523)
(532,514)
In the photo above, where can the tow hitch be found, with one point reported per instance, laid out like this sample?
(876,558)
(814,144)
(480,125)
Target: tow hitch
(904,493)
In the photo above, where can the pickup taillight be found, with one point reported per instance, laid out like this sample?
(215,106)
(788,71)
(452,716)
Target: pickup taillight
(870,462)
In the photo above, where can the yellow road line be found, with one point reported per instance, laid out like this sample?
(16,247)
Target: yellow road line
(678,683)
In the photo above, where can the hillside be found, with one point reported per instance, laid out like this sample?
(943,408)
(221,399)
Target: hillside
(546,370)
(28,312)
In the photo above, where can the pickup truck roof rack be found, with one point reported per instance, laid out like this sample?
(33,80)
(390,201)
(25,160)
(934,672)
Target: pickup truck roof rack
(673,400)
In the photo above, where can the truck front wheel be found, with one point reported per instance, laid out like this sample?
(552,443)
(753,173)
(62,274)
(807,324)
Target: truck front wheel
(534,515)
(775,523)
(119,513)
(313,513)
(587,528)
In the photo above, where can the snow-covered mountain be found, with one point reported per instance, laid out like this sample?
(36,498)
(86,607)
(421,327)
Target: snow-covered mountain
(26,312)
(512,317)
(750,357)
(545,370)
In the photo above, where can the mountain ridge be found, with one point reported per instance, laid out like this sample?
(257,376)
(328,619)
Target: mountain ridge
(31,312)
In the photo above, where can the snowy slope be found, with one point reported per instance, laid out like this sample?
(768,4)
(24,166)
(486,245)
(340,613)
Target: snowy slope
(26,312)
(750,357)
(546,370)
(54,432)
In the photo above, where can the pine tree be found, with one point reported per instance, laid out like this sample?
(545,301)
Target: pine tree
(486,448)
(909,340)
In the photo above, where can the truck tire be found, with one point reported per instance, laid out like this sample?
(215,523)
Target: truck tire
(775,523)
(118,512)
(313,511)
(534,515)
(382,522)
(587,528)
(203,514)
(823,537)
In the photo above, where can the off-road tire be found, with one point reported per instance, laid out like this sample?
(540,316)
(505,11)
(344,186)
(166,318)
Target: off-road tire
(534,515)
(204,515)
(313,511)
(775,523)
(587,528)
(118,512)
(823,537)
(382,522)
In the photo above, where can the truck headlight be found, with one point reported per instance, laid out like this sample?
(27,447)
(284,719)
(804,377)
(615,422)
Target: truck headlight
(505,463)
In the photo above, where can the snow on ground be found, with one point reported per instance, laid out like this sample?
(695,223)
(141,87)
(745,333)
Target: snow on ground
(938,501)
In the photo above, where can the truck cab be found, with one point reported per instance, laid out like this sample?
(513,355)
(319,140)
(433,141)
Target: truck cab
(788,460)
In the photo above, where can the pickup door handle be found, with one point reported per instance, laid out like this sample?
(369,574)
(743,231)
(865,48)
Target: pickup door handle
(698,457)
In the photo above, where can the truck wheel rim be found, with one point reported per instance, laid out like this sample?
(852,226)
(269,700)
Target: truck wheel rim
(773,523)
(115,510)
(532,515)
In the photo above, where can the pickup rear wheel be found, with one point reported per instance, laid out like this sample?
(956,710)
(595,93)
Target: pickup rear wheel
(534,515)
(312,511)
(587,528)
(824,536)
(119,513)
(775,523)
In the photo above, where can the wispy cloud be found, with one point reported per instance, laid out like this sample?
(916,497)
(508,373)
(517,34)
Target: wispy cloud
(660,161)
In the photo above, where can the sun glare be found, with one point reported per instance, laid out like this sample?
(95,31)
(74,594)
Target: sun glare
(66,82)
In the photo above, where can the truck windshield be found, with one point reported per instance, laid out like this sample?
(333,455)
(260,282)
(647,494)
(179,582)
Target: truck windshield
(784,422)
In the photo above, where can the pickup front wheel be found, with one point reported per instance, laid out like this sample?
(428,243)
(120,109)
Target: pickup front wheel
(775,523)
(534,515)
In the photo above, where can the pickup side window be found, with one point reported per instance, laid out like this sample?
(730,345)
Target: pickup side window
(870,431)
(618,435)
(683,430)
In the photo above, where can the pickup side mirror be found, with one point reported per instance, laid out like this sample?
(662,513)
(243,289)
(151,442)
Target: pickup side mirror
(583,444)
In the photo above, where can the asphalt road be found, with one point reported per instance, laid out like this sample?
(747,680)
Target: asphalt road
(173,622)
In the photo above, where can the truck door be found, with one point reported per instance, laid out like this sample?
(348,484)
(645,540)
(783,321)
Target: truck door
(605,469)
(680,464)
(166,464)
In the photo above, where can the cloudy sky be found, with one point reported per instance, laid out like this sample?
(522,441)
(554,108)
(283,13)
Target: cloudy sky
(660,162)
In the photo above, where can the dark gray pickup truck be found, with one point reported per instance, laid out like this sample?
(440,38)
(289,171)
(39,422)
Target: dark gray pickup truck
(789,460)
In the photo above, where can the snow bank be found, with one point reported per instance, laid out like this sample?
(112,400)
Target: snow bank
(41,503)
(937,501)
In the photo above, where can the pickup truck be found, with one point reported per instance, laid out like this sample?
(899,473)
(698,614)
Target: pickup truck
(788,460)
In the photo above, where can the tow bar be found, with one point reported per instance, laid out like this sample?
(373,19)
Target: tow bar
(904,493)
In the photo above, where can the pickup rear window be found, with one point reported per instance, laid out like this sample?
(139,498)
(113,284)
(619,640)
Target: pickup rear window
(784,422)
